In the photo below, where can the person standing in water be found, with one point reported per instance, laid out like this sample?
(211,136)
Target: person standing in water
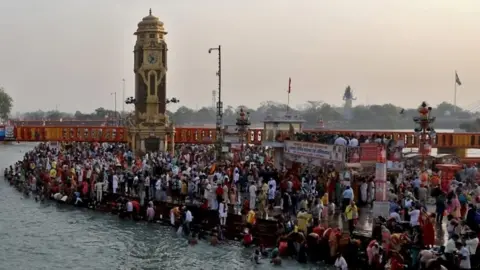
(222,212)
(150,212)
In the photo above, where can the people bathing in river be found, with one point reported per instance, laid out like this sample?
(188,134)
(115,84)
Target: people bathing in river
(150,212)
(222,212)
(191,174)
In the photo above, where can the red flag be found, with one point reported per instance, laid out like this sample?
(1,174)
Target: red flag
(289,85)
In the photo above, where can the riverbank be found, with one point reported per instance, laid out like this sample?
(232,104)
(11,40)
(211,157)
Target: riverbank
(51,236)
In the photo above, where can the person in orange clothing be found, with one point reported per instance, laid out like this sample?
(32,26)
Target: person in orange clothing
(428,229)
(136,210)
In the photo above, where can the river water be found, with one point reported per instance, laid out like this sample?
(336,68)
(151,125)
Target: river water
(45,236)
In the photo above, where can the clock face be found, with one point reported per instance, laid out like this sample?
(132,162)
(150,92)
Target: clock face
(152,58)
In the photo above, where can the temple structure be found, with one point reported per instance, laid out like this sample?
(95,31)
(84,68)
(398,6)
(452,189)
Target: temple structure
(149,127)
(347,109)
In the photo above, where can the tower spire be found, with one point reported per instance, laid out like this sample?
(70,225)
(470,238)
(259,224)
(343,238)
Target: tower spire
(150,12)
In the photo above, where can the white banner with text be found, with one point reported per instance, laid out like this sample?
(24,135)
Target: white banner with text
(316,150)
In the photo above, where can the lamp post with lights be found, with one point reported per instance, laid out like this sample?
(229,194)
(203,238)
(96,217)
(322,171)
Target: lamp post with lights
(243,122)
(219,115)
(133,101)
(424,130)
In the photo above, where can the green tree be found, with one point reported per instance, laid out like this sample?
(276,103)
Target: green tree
(6,104)
(37,115)
(379,116)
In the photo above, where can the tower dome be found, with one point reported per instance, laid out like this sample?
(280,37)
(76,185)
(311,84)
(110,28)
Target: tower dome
(150,23)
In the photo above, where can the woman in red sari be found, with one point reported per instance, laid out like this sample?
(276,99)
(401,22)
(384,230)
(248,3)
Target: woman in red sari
(396,261)
(428,229)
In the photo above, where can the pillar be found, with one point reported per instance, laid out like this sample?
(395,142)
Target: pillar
(165,144)
(172,144)
(381,206)
(278,157)
(162,145)
(142,145)
(133,141)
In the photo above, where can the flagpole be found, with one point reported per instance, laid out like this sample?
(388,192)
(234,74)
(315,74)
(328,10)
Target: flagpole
(288,93)
(455,92)
(288,102)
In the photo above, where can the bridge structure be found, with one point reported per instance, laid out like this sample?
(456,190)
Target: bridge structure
(86,131)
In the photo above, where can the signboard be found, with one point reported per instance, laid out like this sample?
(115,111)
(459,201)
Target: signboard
(231,139)
(2,133)
(372,152)
(395,166)
(316,150)
(306,160)
(10,134)
(369,152)
(395,154)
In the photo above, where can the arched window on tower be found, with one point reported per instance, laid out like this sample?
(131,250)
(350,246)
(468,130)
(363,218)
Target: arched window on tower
(152,83)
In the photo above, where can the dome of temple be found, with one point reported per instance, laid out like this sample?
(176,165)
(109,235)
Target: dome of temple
(150,23)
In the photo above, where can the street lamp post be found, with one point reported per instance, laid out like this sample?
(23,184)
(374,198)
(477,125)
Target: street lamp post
(115,106)
(219,116)
(133,101)
(243,122)
(424,131)
(123,103)
(172,100)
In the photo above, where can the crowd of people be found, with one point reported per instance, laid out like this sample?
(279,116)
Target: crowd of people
(345,139)
(301,199)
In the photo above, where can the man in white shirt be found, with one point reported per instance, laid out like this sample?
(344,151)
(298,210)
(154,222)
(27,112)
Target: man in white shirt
(236,176)
(450,247)
(396,216)
(414,215)
(472,245)
(253,195)
(465,258)
(187,221)
(115,183)
(148,192)
(158,189)
(340,141)
(353,142)
(99,191)
(188,216)
(341,263)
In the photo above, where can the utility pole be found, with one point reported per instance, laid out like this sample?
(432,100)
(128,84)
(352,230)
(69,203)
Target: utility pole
(115,106)
(219,118)
(123,103)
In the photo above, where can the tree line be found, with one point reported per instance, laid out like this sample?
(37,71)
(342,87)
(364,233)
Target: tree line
(6,104)
(386,116)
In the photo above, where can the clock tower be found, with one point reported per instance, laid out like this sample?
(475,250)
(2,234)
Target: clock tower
(151,126)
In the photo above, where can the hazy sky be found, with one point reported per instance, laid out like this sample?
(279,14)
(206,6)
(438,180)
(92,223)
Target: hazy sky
(74,53)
